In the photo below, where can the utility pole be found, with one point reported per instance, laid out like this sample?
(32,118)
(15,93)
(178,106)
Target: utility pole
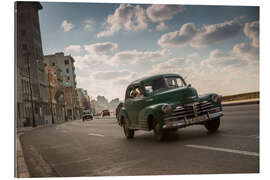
(30,84)
(49,86)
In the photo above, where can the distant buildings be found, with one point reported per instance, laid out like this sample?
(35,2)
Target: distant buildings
(66,65)
(84,100)
(32,100)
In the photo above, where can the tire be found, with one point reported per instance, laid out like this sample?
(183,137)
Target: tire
(212,125)
(129,133)
(159,133)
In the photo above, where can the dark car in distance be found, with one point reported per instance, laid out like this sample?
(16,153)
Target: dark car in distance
(105,112)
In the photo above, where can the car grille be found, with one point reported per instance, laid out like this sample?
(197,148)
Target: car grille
(191,110)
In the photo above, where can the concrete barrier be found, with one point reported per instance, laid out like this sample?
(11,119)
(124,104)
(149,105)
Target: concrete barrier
(243,102)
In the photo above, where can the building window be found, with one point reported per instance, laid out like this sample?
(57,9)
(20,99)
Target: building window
(68,78)
(67,70)
(53,64)
(67,62)
(23,32)
(24,46)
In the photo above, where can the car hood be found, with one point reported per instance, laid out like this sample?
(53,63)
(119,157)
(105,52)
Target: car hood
(183,95)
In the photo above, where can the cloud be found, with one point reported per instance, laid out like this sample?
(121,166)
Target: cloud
(162,12)
(73,48)
(88,24)
(109,75)
(127,17)
(161,26)
(101,48)
(190,35)
(134,56)
(169,66)
(67,26)
(220,59)
(251,30)
(247,51)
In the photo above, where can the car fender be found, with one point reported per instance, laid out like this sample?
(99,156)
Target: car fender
(123,115)
(150,111)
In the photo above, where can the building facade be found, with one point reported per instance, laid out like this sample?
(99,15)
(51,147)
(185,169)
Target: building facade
(32,100)
(66,64)
(56,93)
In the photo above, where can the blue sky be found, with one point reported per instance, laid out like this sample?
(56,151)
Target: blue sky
(215,47)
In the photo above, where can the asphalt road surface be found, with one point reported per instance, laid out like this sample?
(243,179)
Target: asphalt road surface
(99,148)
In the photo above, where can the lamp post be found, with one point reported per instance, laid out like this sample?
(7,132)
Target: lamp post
(30,85)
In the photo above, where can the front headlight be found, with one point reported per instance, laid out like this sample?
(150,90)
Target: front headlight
(215,98)
(166,108)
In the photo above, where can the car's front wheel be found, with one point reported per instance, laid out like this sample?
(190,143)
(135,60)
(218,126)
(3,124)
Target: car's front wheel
(212,125)
(159,133)
(129,133)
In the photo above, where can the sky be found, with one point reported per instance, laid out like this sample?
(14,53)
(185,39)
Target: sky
(215,48)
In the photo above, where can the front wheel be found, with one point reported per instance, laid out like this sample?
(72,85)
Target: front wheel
(159,133)
(212,125)
(129,133)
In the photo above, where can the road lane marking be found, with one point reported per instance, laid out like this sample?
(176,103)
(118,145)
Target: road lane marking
(223,149)
(93,134)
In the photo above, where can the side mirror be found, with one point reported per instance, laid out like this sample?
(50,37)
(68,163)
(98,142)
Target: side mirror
(189,85)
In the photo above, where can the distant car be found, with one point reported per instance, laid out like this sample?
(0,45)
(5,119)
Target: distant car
(165,103)
(87,115)
(105,112)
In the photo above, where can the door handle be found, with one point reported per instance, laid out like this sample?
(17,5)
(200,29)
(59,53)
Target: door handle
(149,100)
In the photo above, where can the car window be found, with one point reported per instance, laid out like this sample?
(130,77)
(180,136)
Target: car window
(173,82)
(138,92)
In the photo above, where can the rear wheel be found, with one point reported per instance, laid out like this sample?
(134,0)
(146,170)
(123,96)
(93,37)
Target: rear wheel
(159,133)
(129,133)
(212,125)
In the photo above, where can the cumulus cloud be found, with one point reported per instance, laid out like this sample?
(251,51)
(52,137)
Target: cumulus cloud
(247,51)
(251,30)
(162,12)
(220,59)
(73,48)
(127,17)
(67,26)
(169,65)
(161,26)
(134,56)
(88,24)
(109,75)
(101,48)
(190,35)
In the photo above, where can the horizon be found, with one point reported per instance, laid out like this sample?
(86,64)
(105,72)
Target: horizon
(215,47)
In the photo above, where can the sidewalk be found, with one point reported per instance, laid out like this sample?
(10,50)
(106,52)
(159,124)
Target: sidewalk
(21,167)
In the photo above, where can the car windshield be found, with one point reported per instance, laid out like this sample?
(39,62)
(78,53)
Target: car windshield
(164,83)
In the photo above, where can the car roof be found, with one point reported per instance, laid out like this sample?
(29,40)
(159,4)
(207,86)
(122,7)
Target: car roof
(149,78)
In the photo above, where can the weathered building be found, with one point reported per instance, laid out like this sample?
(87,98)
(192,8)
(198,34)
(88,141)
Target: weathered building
(66,64)
(56,93)
(32,98)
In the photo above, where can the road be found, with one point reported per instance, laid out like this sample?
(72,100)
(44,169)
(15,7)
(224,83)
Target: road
(99,148)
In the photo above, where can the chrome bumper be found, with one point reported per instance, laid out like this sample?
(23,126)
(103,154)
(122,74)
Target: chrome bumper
(186,122)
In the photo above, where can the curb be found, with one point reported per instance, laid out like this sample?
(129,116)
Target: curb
(21,167)
(241,103)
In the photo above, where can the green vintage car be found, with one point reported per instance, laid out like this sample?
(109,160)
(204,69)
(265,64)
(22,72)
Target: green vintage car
(164,103)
